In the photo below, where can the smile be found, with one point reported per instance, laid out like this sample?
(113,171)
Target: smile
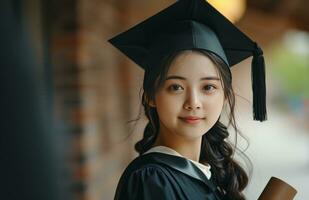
(191,120)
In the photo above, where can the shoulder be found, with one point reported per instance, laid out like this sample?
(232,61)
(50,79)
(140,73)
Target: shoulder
(143,166)
(146,160)
(144,176)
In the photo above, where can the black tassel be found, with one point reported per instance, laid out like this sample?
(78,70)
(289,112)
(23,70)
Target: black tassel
(258,85)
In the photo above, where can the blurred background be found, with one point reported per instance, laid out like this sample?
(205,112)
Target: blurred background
(67,95)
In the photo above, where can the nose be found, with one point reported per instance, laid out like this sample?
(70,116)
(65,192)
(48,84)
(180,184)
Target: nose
(193,101)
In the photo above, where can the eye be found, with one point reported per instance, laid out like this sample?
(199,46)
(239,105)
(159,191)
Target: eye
(175,87)
(209,88)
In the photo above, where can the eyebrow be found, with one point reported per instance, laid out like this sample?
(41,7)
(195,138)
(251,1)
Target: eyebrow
(203,78)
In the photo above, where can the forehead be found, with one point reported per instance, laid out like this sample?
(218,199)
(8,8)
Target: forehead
(192,64)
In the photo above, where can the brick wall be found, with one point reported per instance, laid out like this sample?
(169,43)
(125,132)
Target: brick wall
(97,89)
(105,93)
(110,86)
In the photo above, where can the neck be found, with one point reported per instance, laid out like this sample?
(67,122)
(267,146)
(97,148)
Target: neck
(189,148)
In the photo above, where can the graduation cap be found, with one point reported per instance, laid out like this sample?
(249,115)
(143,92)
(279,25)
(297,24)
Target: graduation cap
(194,24)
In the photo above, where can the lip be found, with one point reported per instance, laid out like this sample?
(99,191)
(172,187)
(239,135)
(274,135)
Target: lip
(191,119)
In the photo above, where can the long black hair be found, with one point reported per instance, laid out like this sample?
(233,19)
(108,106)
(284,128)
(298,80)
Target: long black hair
(228,175)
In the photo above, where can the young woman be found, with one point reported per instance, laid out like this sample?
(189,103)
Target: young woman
(186,51)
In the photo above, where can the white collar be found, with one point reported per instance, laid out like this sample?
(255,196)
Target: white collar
(166,150)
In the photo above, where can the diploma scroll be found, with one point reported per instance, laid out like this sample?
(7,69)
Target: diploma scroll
(277,189)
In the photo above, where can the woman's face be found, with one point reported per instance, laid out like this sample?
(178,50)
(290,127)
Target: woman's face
(191,98)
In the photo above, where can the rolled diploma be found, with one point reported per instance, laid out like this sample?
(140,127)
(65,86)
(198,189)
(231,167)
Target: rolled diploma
(277,189)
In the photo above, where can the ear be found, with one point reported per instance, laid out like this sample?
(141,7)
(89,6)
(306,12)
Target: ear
(150,102)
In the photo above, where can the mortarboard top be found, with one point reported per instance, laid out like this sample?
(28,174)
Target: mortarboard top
(194,24)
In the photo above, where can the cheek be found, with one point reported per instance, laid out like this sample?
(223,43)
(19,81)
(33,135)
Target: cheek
(168,107)
(166,104)
(214,106)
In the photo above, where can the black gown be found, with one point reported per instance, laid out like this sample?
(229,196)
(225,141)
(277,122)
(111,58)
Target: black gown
(159,176)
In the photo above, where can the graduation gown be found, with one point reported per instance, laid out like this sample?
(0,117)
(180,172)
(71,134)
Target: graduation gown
(155,176)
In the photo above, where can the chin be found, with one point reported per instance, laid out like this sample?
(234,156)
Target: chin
(193,134)
(198,130)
